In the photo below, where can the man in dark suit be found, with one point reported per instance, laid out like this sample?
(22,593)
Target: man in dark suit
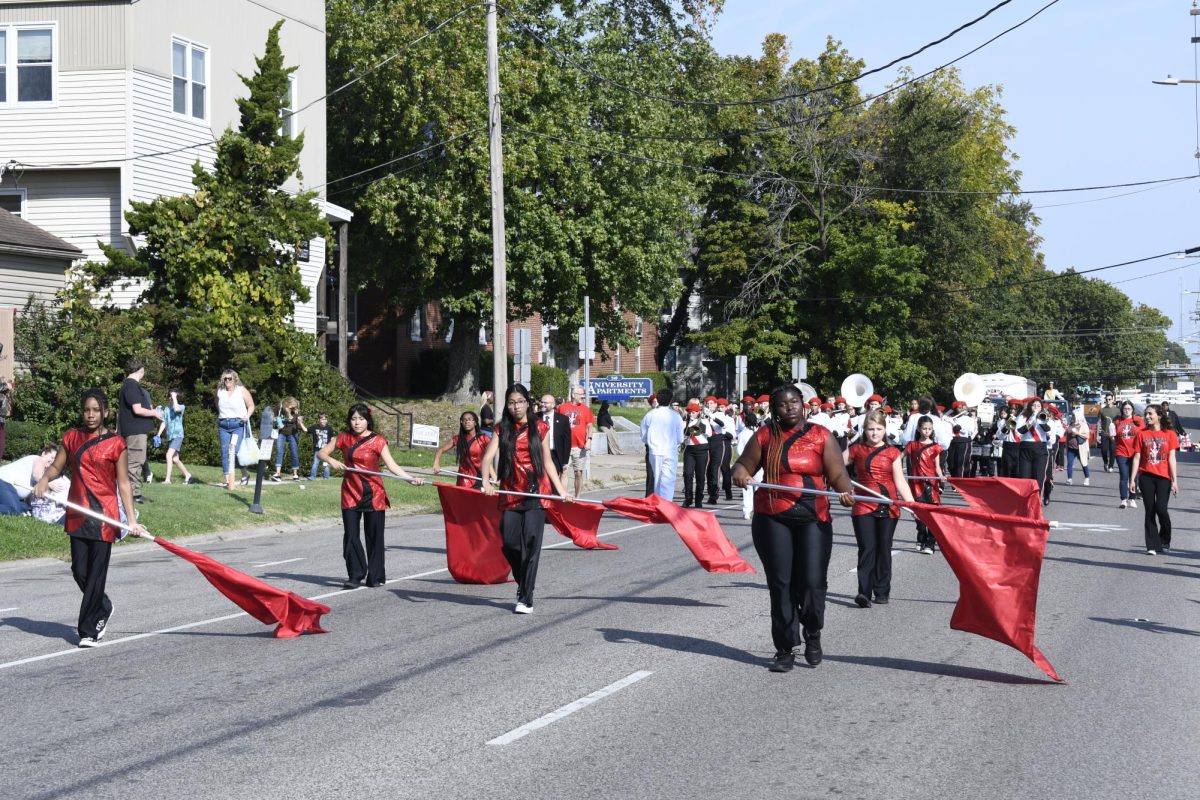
(560,433)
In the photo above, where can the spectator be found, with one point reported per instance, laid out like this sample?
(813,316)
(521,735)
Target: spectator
(487,415)
(604,422)
(1172,420)
(135,420)
(662,433)
(583,426)
(18,479)
(172,424)
(291,425)
(5,410)
(234,407)
(558,433)
(321,434)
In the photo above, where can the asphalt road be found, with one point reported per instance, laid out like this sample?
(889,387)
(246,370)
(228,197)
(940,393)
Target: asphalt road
(422,686)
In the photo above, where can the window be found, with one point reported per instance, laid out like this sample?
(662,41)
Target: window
(189,79)
(416,324)
(287,128)
(27,64)
(13,201)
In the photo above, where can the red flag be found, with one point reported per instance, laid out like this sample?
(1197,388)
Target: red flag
(998,561)
(473,540)
(293,613)
(1018,497)
(699,530)
(579,523)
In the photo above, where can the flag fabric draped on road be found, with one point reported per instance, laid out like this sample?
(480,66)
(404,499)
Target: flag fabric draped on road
(579,522)
(699,530)
(1018,497)
(293,614)
(998,561)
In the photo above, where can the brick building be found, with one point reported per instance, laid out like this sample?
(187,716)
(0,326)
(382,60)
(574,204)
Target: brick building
(390,355)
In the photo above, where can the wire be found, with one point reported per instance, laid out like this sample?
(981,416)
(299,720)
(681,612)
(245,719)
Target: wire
(679,101)
(138,157)
(401,51)
(397,159)
(801,182)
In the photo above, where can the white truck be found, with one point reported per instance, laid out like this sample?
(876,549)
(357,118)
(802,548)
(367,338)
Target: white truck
(1001,385)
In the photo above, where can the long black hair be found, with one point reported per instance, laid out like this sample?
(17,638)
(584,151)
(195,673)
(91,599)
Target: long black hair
(507,429)
(464,446)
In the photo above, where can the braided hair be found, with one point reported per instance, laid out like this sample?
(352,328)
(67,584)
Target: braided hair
(772,458)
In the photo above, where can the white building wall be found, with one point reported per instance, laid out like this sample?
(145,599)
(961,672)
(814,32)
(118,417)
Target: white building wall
(157,130)
(87,124)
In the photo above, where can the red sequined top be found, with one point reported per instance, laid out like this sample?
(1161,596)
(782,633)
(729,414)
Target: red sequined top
(92,459)
(364,492)
(801,463)
(922,460)
(473,463)
(520,479)
(873,468)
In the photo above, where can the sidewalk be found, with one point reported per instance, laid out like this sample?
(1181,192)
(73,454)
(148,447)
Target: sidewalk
(609,471)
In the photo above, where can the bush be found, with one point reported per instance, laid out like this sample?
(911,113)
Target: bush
(25,438)
(547,380)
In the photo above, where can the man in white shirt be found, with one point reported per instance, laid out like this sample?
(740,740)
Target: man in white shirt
(662,432)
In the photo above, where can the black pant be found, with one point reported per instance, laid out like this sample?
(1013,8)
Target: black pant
(795,557)
(521,531)
(649,475)
(1108,452)
(89,566)
(959,456)
(1051,460)
(874,535)
(695,471)
(1033,462)
(727,467)
(360,564)
(716,450)
(1156,491)
(924,535)
(1010,460)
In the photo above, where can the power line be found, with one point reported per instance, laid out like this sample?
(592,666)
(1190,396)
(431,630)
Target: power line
(798,181)
(679,101)
(397,159)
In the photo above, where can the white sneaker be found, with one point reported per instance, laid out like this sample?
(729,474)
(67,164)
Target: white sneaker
(89,641)
(1123,504)
(1070,482)
(102,626)
(1132,503)
(521,608)
(1087,481)
(927,551)
(1151,553)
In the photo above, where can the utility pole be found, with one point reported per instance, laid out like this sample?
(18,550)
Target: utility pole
(499,265)
(343,300)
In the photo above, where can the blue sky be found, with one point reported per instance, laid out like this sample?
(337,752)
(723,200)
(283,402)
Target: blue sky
(1077,87)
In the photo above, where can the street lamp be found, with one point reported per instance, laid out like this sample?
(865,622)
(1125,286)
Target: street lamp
(1171,80)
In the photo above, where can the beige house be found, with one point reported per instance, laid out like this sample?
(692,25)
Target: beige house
(107,101)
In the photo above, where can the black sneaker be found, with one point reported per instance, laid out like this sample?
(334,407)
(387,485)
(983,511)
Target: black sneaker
(881,601)
(862,601)
(783,662)
(812,649)
(352,584)
(276,479)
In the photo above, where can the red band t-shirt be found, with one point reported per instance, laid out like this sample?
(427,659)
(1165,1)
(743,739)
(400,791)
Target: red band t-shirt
(1127,434)
(1155,448)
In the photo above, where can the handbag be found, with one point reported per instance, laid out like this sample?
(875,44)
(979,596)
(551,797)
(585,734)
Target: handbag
(247,453)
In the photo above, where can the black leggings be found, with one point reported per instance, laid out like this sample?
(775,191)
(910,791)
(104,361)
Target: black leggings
(874,535)
(1156,492)
(695,472)
(89,567)
(361,564)
(521,531)
(795,557)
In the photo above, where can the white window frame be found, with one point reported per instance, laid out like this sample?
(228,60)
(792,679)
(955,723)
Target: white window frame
(10,41)
(190,45)
(287,125)
(23,194)
(416,324)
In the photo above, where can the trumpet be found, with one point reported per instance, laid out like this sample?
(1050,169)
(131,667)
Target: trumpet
(1011,423)
(1043,417)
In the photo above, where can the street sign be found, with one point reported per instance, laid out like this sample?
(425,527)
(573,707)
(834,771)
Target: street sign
(587,343)
(616,387)
(799,369)
(522,356)
(741,366)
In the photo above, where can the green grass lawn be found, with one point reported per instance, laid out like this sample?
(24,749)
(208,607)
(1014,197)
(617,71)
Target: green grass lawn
(176,510)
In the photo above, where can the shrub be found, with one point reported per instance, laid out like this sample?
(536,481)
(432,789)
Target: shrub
(661,380)
(547,380)
(25,438)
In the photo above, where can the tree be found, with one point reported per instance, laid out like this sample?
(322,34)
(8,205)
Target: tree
(1173,353)
(591,208)
(219,265)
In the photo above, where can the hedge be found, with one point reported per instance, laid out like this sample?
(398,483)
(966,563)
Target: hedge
(26,438)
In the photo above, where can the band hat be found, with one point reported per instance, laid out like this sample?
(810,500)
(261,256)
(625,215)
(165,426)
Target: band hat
(814,401)
(958,404)
(747,399)
(827,406)
(841,400)
(722,402)
(710,399)
(875,399)
(693,406)
(941,408)
(887,409)
(764,398)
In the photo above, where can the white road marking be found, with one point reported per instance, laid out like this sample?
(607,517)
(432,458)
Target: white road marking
(277,563)
(570,708)
(200,623)
(2,610)
(1091,525)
